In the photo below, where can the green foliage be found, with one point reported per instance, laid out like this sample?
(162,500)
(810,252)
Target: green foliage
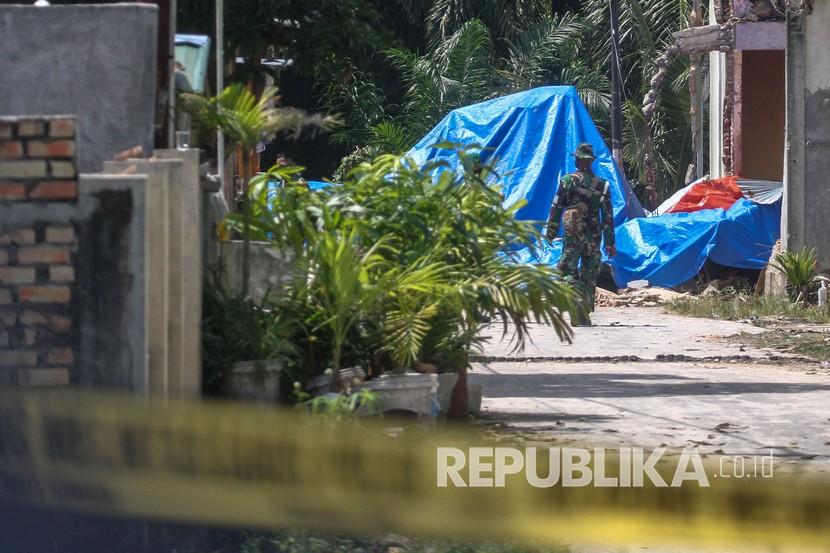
(394,266)
(341,407)
(799,268)
(759,309)
(245,119)
(234,329)
(478,50)
(457,72)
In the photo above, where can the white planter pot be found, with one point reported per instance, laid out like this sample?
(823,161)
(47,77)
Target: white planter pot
(411,393)
(254,381)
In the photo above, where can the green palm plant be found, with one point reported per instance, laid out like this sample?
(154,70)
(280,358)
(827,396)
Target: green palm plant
(458,72)
(800,270)
(246,120)
(339,278)
(395,264)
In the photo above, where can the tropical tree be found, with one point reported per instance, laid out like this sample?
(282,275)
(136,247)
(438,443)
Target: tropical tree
(396,267)
(246,121)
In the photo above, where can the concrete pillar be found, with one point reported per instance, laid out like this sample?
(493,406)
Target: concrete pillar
(160,338)
(186,279)
(807,194)
(112,276)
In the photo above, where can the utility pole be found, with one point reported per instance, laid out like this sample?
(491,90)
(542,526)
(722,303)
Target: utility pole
(220,84)
(616,85)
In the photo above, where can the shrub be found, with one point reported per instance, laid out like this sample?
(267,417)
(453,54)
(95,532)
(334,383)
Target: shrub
(401,263)
(800,270)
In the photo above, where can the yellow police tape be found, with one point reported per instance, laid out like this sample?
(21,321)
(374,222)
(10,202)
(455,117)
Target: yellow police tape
(232,465)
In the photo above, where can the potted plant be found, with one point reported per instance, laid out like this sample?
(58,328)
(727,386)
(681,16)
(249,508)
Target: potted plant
(244,349)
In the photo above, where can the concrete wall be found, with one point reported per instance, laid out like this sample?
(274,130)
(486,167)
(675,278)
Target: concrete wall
(807,178)
(174,292)
(271,269)
(94,61)
(112,274)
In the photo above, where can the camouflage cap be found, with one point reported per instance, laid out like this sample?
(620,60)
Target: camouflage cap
(585,151)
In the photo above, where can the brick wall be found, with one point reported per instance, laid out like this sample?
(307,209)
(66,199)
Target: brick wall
(38,326)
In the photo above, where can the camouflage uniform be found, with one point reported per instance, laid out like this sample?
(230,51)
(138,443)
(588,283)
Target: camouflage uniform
(585,200)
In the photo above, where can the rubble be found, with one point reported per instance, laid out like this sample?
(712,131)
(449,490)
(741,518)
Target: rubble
(642,297)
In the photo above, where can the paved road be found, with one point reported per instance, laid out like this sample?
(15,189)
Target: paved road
(642,331)
(733,408)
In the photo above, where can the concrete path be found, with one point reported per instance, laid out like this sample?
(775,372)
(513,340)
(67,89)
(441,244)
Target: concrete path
(643,331)
(731,408)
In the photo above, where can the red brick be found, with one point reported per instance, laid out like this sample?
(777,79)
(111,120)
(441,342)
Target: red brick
(7,318)
(60,235)
(12,191)
(43,254)
(62,169)
(31,128)
(60,324)
(11,150)
(23,169)
(29,317)
(51,148)
(44,294)
(20,236)
(63,356)
(61,273)
(55,190)
(18,358)
(17,275)
(43,377)
(62,128)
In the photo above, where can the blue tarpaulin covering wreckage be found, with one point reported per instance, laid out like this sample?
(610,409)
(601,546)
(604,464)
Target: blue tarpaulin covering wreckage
(528,138)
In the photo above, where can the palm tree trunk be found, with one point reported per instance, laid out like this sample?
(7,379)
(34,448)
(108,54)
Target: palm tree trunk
(458,399)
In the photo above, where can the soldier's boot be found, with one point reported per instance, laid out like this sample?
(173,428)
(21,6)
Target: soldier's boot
(581,319)
(582,315)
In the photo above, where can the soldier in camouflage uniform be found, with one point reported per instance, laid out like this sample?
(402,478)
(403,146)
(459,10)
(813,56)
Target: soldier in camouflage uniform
(585,200)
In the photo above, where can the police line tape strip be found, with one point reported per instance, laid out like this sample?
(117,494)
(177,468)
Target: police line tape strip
(232,465)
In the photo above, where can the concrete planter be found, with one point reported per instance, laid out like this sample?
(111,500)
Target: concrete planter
(407,393)
(474,395)
(321,385)
(257,381)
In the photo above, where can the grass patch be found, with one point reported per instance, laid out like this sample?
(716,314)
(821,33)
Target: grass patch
(815,345)
(757,309)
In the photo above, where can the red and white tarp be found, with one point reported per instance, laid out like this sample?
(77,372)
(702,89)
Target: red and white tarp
(720,193)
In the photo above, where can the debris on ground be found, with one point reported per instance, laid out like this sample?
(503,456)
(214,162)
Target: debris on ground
(641,297)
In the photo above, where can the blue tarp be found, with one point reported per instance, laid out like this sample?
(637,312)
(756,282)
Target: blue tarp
(528,137)
(670,249)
